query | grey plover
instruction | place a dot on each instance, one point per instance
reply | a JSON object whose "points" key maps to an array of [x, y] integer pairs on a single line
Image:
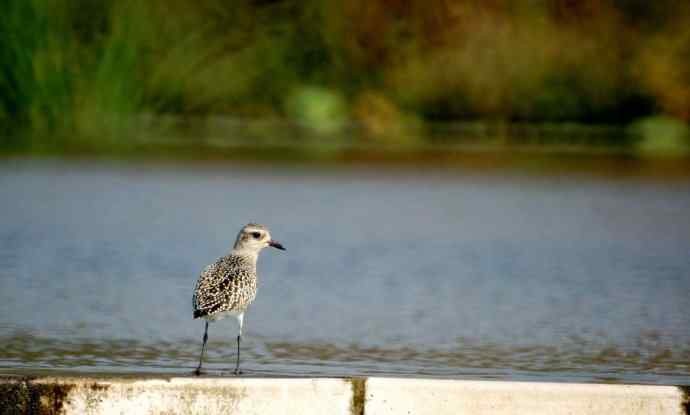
{"points": [[227, 287]]}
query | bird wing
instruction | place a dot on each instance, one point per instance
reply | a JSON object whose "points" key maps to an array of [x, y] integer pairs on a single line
{"points": [[213, 291]]}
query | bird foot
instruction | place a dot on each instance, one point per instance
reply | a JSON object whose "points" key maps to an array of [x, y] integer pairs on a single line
{"points": [[237, 372], [198, 371]]}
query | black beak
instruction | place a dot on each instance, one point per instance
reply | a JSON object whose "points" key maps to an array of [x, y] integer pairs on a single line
{"points": [[276, 245]]}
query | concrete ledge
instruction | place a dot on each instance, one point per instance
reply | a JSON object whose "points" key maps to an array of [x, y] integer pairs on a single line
{"points": [[371, 396], [403, 396], [176, 396]]}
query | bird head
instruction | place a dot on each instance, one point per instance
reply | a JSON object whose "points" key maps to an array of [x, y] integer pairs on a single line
{"points": [[253, 238]]}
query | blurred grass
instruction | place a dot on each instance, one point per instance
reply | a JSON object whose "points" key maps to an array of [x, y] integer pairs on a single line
{"points": [[78, 75]]}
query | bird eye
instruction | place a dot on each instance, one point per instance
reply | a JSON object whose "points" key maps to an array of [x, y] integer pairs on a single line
{"points": [[256, 235]]}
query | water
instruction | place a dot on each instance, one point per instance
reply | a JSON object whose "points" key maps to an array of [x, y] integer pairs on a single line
{"points": [[441, 274]]}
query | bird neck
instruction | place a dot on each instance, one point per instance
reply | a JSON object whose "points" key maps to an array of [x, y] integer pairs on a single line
{"points": [[252, 255]]}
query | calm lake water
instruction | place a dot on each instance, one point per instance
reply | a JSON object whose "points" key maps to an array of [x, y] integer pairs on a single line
{"points": [[395, 272]]}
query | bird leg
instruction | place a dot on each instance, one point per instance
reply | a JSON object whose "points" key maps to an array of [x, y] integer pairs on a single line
{"points": [[237, 366], [203, 349], [240, 320]]}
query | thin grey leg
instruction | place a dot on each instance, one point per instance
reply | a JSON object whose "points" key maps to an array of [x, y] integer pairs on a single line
{"points": [[240, 320], [237, 366], [203, 350]]}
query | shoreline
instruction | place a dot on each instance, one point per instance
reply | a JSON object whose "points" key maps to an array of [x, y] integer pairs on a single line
{"points": [[495, 161]]}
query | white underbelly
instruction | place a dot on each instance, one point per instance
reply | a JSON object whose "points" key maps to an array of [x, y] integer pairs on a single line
{"points": [[223, 314]]}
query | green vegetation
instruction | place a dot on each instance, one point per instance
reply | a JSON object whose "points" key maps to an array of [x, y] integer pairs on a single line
{"points": [[78, 74]]}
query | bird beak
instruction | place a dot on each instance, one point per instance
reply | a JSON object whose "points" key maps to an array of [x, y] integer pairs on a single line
{"points": [[276, 245]]}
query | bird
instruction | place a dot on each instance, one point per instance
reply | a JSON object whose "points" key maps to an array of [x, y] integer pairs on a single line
{"points": [[227, 287]]}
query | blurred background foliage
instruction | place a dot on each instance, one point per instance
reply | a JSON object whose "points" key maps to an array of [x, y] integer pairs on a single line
{"points": [[93, 74]]}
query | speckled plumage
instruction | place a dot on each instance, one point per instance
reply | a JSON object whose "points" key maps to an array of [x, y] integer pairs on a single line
{"points": [[229, 284]]}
